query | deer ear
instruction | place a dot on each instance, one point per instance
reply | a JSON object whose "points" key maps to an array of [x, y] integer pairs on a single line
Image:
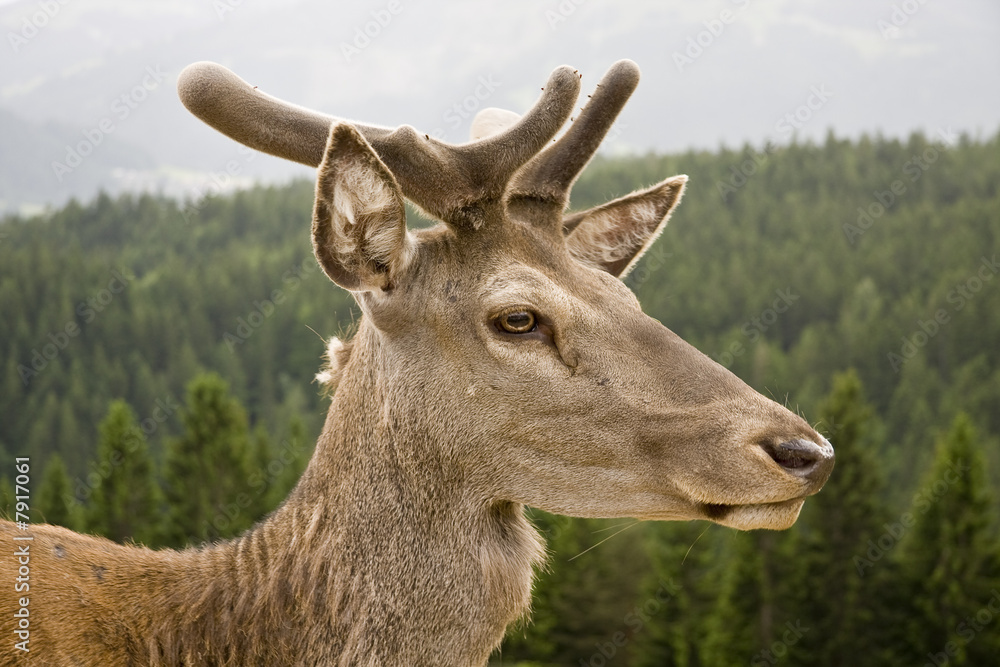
{"points": [[359, 220], [613, 236]]}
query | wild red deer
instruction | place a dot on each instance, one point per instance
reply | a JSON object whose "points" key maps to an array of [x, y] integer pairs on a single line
{"points": [[500, 362]]}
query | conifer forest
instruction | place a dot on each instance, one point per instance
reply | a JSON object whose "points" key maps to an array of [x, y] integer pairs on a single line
{"points": [[158, 361]]}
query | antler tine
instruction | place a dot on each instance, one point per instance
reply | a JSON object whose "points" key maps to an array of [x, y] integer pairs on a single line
{"points": [[441, 178], [447, 180], [503, 153], [551, 174], [255, 119]]}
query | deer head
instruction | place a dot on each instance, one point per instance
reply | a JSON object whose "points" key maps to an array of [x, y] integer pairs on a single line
{"points": [[506, 332]]}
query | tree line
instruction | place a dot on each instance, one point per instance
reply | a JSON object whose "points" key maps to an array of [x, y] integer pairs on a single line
{"points": [[854, 582], [214, 482], [158, 359]]}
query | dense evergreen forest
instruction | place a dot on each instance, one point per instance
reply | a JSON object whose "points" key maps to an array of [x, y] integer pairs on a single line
{"points": [[151, 347]]}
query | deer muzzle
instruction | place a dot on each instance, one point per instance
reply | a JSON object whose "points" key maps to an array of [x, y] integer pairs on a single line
{"points": [[804, 458]]}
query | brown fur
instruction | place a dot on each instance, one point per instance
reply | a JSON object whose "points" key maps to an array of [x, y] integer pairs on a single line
{"points": [[405, 541]]}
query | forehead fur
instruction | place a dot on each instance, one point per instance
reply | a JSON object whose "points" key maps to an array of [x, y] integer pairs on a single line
{"points": [[443, 252]]}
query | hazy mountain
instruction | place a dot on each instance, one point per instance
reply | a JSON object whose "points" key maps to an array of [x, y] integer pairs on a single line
{"points": [[713, 72], [24, 182]]}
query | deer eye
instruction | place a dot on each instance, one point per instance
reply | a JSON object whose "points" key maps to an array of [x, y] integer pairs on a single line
{"points": [[517, 322]]}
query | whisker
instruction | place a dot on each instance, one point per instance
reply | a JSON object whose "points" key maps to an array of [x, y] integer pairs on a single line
{"points": [[315, 332], [694, 543], [601, 530], [607, 538]]}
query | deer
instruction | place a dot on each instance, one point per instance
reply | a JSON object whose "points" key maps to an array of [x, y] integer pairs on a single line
{"points": [[500, 362]]}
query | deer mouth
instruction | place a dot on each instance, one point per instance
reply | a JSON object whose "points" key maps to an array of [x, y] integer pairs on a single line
{"points": [[774, 515]]}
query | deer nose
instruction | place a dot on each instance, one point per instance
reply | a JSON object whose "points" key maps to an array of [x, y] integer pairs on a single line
{"points": [[803, 458]]}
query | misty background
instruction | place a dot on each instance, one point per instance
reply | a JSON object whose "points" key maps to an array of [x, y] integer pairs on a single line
{"points": [[151, 346], [88, 100]]}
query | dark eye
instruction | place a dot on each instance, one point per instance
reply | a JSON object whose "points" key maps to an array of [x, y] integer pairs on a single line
{"points": [[517, 322]]}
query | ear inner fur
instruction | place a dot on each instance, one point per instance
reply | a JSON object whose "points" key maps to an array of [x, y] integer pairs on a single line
{"points": [[359, 222], [613, 236]]}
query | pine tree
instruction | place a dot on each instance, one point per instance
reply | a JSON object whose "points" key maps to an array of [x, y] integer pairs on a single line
{"points": [[837, 578], [530, 638], [584, 600], [207, 470], [260, 480], [55, 504], [125, 502], [290, 459], [66, 436], [43, 432], [684, 584], [950, 560], [6, 497], [736, 629]]}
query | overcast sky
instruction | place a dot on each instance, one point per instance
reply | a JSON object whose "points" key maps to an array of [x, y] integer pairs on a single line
{"points": [[714, 72]]}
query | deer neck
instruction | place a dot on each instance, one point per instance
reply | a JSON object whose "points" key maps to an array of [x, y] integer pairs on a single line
{"points": [[395, 543]]}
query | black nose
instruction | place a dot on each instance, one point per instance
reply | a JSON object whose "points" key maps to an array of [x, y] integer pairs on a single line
{"points": [[803, 458]]}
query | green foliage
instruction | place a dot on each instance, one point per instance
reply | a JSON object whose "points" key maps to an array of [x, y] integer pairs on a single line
{"points": [[139, 295], [788, 277], [207, 469], [684, 579], [125, 499], [736, 629], [6, 498], [594, 566], [950, 561], [852, 582], [285, 464], [55, 503], [834, 588]]}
